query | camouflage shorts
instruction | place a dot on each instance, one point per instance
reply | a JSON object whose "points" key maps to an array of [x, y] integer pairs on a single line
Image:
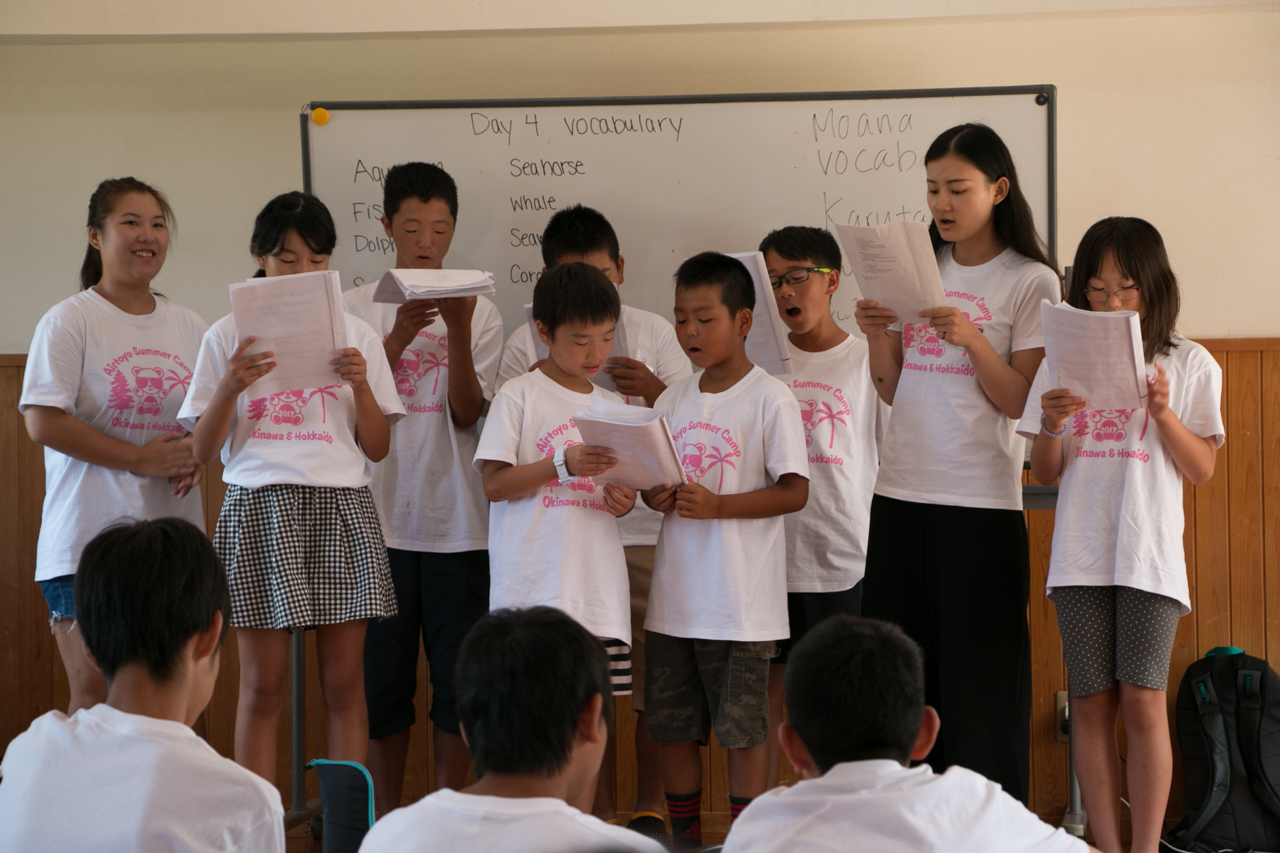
{"points": [[692, 684]]}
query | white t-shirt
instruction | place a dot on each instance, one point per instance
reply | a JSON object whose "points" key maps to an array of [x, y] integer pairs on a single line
{"points": [[429, 497], [107, 780], [726, 579], [451, 820], [557, 546], [1119, 516], [304, 437], [843, 421], [653, 339], [948, 443], [882, 806], [125, 375]]}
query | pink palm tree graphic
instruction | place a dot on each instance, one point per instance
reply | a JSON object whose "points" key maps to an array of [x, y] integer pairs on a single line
{"points": [[716, 457], [322, 393], [177, 380], [432, 364], [824, 413]]}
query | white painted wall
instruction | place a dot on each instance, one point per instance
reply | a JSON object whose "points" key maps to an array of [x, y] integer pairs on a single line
{"points": [[1173, 116]]}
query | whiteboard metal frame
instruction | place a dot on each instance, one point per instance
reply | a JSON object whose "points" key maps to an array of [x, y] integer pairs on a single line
{"points": [[1046, 96]]}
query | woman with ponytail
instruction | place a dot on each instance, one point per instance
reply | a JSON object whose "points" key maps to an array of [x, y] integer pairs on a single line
{"points": [[947, 545], [107, 372]]}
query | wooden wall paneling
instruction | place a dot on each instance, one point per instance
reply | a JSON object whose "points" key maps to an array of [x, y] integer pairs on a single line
{"points": [[1049, 758], [1270, 371], [11, 568], [38, 649], [1244, 493], [625, 767], [1212, 604], [1184, 649]]}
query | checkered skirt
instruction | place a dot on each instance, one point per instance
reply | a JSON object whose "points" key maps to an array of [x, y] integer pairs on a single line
{"points": [[301, 556]]}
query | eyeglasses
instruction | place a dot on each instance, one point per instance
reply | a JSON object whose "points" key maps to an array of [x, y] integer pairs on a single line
{"points": [[1124, 294], [796, 277]]}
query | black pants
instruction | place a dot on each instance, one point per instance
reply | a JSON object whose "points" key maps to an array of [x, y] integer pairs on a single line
{"points": [[956, 580]]}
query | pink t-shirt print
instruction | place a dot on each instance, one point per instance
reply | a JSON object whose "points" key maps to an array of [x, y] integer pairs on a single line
{"points": [[582, 484], [706, 452], [290, 409], [426, 358], [1109, 425], [821, 416], [142, 387], [920, 337]]}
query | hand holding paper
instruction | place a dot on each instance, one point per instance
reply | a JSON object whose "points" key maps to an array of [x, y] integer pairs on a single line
{"points": [[895, 265], [640, 441], [767, 341], [298, 318], [1096, 354], [399, 286]]}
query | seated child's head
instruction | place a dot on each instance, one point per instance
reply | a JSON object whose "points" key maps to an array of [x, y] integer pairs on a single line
{"points": [[855, 691], [804, 271], [1121, 265], [153, 596], [580, 233], [714, 300], [576, 310], [419, 210], [534, 695]]}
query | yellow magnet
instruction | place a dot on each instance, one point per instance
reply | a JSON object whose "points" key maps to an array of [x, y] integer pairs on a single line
{"points": [[320, 115]]}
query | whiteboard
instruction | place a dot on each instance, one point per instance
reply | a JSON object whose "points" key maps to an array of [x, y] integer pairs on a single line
{"points": [[675, 176]]}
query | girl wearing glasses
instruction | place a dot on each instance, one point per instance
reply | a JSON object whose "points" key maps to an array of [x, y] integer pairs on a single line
{"points": [[1117, 576], [947, 551]]}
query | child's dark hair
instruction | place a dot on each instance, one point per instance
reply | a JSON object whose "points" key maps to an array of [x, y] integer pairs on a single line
{"points": [[726, 274], [578, 231], [1140, 254], [423, 181], [101, 205], [982, 148], [804, 243], [855, 690], [144, 589], [574, 293], [295, 211], [523, 678]]}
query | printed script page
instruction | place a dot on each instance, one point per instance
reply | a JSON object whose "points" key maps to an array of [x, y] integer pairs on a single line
{"points": [[895, 265], [1098, 355]]}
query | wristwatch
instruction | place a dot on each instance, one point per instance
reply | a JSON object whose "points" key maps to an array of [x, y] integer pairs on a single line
{"points": [[562, 470]]}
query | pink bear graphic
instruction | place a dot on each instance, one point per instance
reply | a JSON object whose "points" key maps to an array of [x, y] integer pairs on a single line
{"points": [[691, 458], [808, 408], [148, 390], [921, 336], [409, 369], [699, 460], [1109, 424], [284, 407]]}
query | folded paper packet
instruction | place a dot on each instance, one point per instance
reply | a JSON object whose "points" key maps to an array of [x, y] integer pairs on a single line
{"points": [[640, 440], [399, 286]]}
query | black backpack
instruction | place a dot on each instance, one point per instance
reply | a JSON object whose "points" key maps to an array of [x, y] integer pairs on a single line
{"points": [[1228, 711]]}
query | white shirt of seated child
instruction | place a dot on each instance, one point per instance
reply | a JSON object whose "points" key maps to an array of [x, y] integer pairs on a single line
{"points": [[889, 808], [104, 779], [450, 820]]}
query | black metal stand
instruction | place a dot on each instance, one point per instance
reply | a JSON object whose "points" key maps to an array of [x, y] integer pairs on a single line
{"points": [[301, 810]]}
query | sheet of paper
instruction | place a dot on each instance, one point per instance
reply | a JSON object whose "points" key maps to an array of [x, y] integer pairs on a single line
{"points": [[621, 349], [895, 265], [399, 286], [300, 319], [639, 437], [767, 341], [1097, 354]]}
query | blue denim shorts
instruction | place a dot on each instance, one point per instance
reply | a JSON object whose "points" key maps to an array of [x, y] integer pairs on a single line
{"points": [[60, 595]]}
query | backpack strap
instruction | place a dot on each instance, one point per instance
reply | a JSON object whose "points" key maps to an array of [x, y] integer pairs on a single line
{"points": [[1249, 700], [1215, 734]]}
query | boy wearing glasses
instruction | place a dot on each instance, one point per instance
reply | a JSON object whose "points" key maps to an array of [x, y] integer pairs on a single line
{"points": [[843, 421]]}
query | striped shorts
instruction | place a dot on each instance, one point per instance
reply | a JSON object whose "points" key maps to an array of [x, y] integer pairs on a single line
{"points": [[619, 665]]}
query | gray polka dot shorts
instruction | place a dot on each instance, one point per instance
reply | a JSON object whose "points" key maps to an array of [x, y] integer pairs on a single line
{"points": [[1115, 633]]}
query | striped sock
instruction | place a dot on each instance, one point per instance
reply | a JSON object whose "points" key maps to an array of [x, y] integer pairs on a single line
{"points": [[685, 811], [736, 805]]}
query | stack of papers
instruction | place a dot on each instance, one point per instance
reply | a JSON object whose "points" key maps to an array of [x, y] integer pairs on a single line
{"points": [[1097, 354], [640, 439], [621, 349], [397, 287], [767, 341], [895, 265], [300, 319]]}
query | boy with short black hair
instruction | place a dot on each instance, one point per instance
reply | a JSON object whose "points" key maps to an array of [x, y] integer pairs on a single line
{"points": [[430, 500], [152, 606], [856, 720], [535, 701], [553, 531], [580, 233], [843, 420], [718, 602]]}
